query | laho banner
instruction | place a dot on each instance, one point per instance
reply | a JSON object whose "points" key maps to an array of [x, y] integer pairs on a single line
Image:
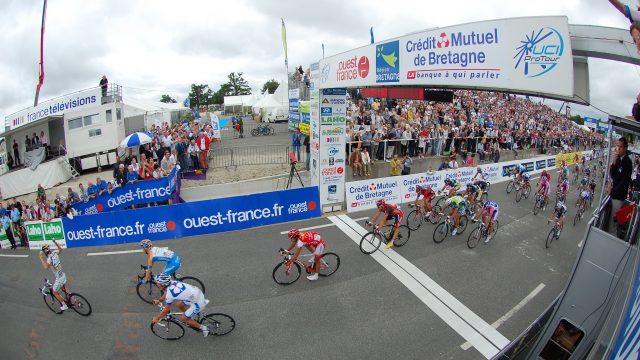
{"points": [[194, 218], [529, 54], [141, 192]]}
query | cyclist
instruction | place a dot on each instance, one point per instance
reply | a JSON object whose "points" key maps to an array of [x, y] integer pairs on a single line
{"points": [[564, 171], [518, 171], [584, 182], [427, 195], [452, 186], [313, 241], [558, 213], [482, 180], [457, 204], [480, 175], [587, 172], [161, 254], [563, 187], [51, 260], [390, 211], [546, 175], [543, 188], [576, 172], [526, 177], [592, 187], [188, 298], [489, 214], [584, 198], [473, 194]]}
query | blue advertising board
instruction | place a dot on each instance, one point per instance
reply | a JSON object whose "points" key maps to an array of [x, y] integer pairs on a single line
{"points": [[194, 218], [140, 192]]}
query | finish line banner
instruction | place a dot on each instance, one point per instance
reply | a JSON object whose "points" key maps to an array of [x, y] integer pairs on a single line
{"points": [[141, 192], [194, 218]]}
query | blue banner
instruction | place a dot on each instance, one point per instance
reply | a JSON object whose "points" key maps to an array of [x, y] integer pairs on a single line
{"points": [[195, 218], [140, 192]]}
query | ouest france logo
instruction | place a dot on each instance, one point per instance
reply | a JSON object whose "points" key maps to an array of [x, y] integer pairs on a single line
{"points": [[540, 52]]}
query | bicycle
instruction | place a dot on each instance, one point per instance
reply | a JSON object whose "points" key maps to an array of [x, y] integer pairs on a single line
{"points": [[74, 301], [148, 291], [172, 328], [481, 231], [419, 214], [539, 204], [523, 191], [554, 234], [262, 129], [512, 184], [288, 272], [444, 228], [579, 214], [560, 196], [371, 241]]}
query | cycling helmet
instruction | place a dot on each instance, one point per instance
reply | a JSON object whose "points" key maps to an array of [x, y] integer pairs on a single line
{"points": [[293, 232], [419, 188], [583, 181], [380, 203], [45, 248], [559, 204], [145, 244], [163, 279], [526, 176], [447, 181]]}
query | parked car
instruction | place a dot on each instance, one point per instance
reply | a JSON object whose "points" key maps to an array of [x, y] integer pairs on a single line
{"points": [[277, 115]]}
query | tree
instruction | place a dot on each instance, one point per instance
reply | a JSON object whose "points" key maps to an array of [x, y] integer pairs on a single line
{"points": [[236, 85], [577, 119], [200, 95], [167, 99], [270, 86]]}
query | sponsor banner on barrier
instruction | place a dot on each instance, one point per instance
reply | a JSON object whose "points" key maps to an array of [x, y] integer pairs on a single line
{"points": [[39, 233], [194, 218], [141, 192], [332, 154], [362, 195], [569, 158], [4, 242]]}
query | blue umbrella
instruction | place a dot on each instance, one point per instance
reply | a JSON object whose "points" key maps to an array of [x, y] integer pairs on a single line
{"points": [[136, 139]]}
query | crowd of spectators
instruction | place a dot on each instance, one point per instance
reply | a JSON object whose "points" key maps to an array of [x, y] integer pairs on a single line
{"points": [[476, 122]]}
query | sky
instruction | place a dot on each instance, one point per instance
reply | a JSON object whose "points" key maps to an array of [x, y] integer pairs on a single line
{"points": [[162, 47]]}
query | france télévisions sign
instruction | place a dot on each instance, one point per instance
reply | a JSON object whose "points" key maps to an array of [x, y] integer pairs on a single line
{"points": [[531, 54], [57, 106]]}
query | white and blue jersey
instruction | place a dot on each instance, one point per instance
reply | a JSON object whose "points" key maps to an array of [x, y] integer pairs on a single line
{"points": [[521, 169], [190, 296], [167, 256]]}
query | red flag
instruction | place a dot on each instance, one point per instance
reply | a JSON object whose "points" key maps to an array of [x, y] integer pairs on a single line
{"points": [[41, 71]]}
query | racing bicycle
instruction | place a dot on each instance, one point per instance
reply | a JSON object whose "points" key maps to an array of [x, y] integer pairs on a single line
{"points": [[172, 328], [514, 183], [539, 204], [481, 231], [554, 234], [523, 191], [148, 291], [287, 272], [74, 301], [371, 241], [446, 227], [579, 213], [262, 129], [419, 215]]}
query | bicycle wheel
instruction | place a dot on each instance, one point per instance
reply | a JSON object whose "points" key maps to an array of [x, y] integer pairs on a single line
{"points": [[527, 192], [550, 237], [329, 263], [537, 206], [285, 276], [168, 329], [148, 291], [474, 238], [79, 304], [510, 186], [435, 215], [271, 131], [576, 218], [370, 242], [404, 233], [463, 224], [192, 281], [219, 324], [519, 194], [440, 201], [414, 219], [440, 233], [254, 132], [52, 303]]}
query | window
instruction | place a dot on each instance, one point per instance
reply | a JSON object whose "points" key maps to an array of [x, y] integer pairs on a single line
{"points": [[563, 342], [109, 116], [91, 119], [75, 123], [118, 114], [95, 132]]}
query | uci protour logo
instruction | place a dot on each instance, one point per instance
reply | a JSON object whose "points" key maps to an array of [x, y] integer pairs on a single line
{"points": [[540, 52]]}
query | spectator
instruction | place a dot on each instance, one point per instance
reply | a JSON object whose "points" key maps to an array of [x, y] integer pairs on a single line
{"points": [[166, 164], [110, 189], [27, 143], [193, 152], [203, 144], [470, 160], [16, 153], [43, 140], [48, 212], [355, 160], [620, 173], [6, 225], [104, 84], [92, 190], [157, 172], [130, 157], [132, 175], [3, 210], [295, 143], [135, 165], [72, 196], [84, 194], [41, 194], [396, 166], [17, 225], [307, 149], [453, 163], [636, 109], [116, 166], [101, 185], [366, 162], [406, 165], [121, 175]]}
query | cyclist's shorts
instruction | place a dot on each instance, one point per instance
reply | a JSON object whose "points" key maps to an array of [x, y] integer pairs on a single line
{"points": [[461, 207], [397, 218], [493, 213], [546, 187], [60, 281], [172, 266], [558, 215], [196, 307], [319, 251]]}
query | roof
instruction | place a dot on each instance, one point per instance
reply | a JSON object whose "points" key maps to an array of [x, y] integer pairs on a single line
{"points": [[153, 106], [242, 100], [267, 102]]}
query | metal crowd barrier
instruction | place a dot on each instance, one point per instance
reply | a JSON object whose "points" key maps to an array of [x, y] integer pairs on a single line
{"points": [[249, 155]]}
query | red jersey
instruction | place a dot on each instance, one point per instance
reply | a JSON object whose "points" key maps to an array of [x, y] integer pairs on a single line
{"points": [[428, 193], [391, 210], [310, 238]]}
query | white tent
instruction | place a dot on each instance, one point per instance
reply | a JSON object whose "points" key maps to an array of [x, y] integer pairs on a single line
{"points": [[281, 95], [265, 103]]}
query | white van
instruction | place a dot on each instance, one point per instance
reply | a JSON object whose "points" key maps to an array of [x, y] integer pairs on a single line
{"points": [[277, 114]]}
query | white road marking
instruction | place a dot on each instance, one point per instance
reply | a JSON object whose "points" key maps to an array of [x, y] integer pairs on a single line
{"points": [[113, 252], [471, 327], [322, 226], [14, 255], [511, 312]]}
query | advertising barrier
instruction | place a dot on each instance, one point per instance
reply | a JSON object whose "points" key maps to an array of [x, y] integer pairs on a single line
{"points": [[194, 218], [40, 232], [141, 192], [362, 195]]}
